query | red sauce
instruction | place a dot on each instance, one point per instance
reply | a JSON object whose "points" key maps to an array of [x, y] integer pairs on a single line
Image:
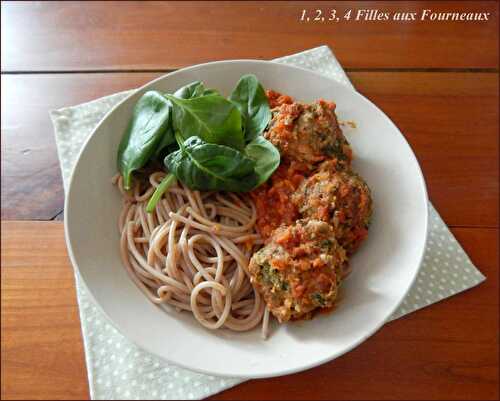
{"points": [[277, 99], [330, 105], [272, 199]]}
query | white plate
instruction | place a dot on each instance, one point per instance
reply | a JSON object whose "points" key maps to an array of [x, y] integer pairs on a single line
{"points": [[383, 269]]}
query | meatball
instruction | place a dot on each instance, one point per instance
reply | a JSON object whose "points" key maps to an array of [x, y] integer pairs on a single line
{"points": [[340, 198], [308, 133], [299, 270]]}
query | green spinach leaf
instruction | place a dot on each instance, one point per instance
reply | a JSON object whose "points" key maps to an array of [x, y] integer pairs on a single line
{"points": [[193, 89], [211, 118], [208, 166], [149, 122], [210, 91], [166, 140], [166, 183], [250, 98], [266, 157]]}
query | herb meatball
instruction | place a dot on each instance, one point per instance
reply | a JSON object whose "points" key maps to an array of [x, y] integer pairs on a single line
{"points": [[308, 133], [340, 198], [299, 270]]}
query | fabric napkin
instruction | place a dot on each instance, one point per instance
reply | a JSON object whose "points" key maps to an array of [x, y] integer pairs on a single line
{"points": [[117, 369]]}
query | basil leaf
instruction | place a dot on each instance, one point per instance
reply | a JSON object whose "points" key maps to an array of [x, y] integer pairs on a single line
{"points": [[266, 157], [211, 118], [209, 91], [193, 89], [250, 98], [166, 140], [210, 167], [150, 119]]}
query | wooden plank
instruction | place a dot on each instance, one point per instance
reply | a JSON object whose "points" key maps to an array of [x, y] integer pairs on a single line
{"points": [[450, 120], [31, 178], [48, 36], [446, 351], [42, 350]]}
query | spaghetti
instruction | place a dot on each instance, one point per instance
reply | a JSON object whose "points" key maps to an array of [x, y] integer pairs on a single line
{"points": [[192, 252]]}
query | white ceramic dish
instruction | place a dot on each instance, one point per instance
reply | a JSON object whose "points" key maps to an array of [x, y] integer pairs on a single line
{"points": [[383, 269]]}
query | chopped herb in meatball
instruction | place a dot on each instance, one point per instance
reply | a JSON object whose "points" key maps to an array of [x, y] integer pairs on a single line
{"points": [[308, 133], [299, 270], [340, 198]]}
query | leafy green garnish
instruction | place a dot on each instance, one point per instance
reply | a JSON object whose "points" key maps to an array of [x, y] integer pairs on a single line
{"points": [[266, 157], [149, 122], [189, 91], [212, 118], [208, 166], [250, 98], [217, 145], [194, 89], [167, 181]]}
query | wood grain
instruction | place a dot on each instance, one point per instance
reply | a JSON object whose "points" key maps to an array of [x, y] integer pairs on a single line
{"points": [[437, 81], [446, 351], [48, 36], [450, 120], [31, 178], [42, 351]]}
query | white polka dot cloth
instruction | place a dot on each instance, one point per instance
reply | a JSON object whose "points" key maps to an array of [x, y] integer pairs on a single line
{"points": [[117, 369]]}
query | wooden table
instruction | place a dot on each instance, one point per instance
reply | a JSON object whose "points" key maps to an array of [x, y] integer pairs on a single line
{"points": [[437, 81]]}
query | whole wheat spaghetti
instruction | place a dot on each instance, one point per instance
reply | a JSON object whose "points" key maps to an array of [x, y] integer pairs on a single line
{"points": [[192, 252]]}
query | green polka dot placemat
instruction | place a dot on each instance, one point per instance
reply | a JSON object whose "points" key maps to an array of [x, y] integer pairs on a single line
{"points": [[117, 369]]}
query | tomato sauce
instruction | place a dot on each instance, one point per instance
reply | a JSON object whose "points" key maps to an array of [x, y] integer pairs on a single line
{"points": [[276, 99], [272, 199]]}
